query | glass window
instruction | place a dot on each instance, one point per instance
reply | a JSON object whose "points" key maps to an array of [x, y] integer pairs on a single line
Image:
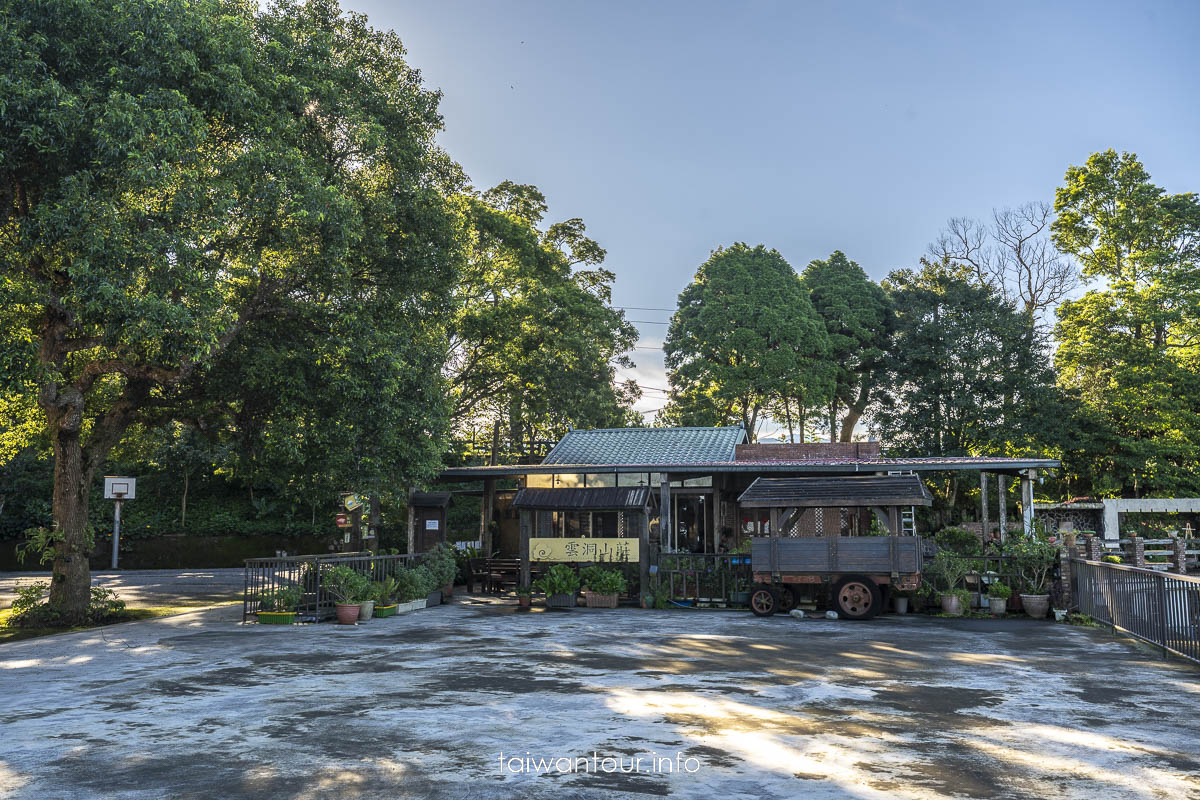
{"points": [[601, 479], [632, 479], [539, 481], [569, 481], [706, 481]]}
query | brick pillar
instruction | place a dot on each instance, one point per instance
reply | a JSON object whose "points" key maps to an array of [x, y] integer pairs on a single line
{"points": [[1179, 556], [1064, 572], [1091, 548], [1137, 551]]}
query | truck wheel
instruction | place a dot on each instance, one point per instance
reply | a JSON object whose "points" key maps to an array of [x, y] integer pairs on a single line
{"points": [[787, 599], [857, 597], [763, 601]]}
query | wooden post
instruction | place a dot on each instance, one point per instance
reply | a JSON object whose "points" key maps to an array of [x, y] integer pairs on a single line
{"points": [[1027, 503], [526, 526], [664, 513], [1002, 480], [412, 539], [983, 504], [643, 523], [894, 520]]}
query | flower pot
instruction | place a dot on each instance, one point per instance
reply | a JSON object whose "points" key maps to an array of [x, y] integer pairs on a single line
{"points": [[366, 609], [448, 590], [1060, 614], [524, 600], [997, 605], [901, 605], [597, 600], [741, 598], [951, 606], [1036, 605], [560, 600], [276, 617], [434, 599], [1014, 604], [347, 613], [386, 611]]}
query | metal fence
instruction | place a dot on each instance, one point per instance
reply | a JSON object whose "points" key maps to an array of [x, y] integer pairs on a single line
{"points": [[706, 579], [268, 574], [1157, 607]]}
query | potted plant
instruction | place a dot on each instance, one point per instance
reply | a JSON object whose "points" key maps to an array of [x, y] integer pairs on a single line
{"points": [[1035, 562], [998, 594], [412, 589], [602, 586], [524, 596], [428, 581], [560, 584], [346, 587], [955, 602], [278, 606], [385, 603], [444, 568]]}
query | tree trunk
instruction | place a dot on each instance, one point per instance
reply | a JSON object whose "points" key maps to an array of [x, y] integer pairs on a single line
{"points": [[855, 409], [70, 586], [833, 421], [787, 412], [183, 505]]}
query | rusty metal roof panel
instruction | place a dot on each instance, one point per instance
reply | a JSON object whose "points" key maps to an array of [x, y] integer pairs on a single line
{"points": [[836, 492]]}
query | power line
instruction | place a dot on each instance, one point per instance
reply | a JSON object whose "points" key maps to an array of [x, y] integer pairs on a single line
{"points": [[642, 308]]}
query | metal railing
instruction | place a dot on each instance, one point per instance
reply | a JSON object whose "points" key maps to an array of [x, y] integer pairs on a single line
{"points": [[706, 579], [268, 574], [1160, 608]]}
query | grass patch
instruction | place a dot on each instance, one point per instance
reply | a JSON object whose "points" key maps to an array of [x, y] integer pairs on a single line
{"points": [[8, 634]]}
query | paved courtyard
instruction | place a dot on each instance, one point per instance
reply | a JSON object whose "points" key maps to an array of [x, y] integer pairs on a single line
{"points": [[147, 587], [422, 706]]}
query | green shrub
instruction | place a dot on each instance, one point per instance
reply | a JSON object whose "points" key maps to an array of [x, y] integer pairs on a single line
{"points": [[1110, 559], [104, 606], [559, 579], [1000, 591], [441, 564], [285, 598], [1034, 562], [947, 570], [603, 581], [345, 585], [958, 540]]}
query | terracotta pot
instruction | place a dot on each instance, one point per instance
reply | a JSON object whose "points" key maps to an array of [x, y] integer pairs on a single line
{"points": [[448, 590], [951, 605], [366, 610], [1036, 605], [523, 600], [347, 613], [997, 605]]}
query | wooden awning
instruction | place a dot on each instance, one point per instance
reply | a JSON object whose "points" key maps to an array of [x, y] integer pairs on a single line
{"points": [[604, 498], [849, 491]]}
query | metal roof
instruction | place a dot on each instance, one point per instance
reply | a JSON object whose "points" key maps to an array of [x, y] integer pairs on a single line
{"points": [[836, 492], [429, 499], [607, 498], [811, 466], [646, 445]]}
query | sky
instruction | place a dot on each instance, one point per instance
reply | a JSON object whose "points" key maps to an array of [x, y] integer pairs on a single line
{"points": [[673, 128]]}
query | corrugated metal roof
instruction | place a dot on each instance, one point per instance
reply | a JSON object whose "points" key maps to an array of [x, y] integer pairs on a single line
{"points": [[646, 445], [858, 490], [430, 499], [607, 498]]}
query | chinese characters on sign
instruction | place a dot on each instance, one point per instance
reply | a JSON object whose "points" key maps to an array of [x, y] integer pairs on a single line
{"points": [[623, 551]]}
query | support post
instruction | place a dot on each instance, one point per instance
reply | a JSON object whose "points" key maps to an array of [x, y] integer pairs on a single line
{"points": [[116, 548], [526, 526], [1027, 504], [412, 538], [983, 505], [1002, 480], [643, 523], [665, 528], [1179, 555], [893, 520]]}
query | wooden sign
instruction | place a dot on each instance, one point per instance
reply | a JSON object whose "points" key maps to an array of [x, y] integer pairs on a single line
{"points": [[342, 520], [620, 551]]}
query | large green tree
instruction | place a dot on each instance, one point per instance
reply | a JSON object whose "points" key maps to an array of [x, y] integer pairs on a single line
{"points": [[187, 185], [858, 318], [534, 342], [1130, 347], [744, 336]]}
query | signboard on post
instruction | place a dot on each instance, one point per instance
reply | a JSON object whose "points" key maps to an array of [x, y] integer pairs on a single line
{"points": [[618, 551], [119, 489], [342, 520], [352, 502], [431, 524]]}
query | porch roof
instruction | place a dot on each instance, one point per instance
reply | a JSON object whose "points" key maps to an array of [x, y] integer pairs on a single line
{"points": [[835, 492], [605, 498]]}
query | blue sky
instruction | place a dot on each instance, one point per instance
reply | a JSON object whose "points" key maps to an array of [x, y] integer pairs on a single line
{"points": [[675, 127]]}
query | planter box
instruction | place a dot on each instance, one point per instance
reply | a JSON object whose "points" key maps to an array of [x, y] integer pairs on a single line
{"points": [[276, 617], [411, 606], [560, 600], [597, 600], [385, 611], [434, 599]]}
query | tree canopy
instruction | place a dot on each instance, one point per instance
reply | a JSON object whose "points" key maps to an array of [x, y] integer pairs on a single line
{"points": [[744, 335]]}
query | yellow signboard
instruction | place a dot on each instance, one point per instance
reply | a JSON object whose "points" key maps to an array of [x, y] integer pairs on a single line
{"points": [[623, 551]]}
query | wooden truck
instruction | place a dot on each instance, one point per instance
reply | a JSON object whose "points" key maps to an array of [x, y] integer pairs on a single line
{"points": [[799, 560]]}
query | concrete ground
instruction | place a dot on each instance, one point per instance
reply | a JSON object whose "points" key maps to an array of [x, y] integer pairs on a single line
{"points": [[423, 706], [148, 587]]}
